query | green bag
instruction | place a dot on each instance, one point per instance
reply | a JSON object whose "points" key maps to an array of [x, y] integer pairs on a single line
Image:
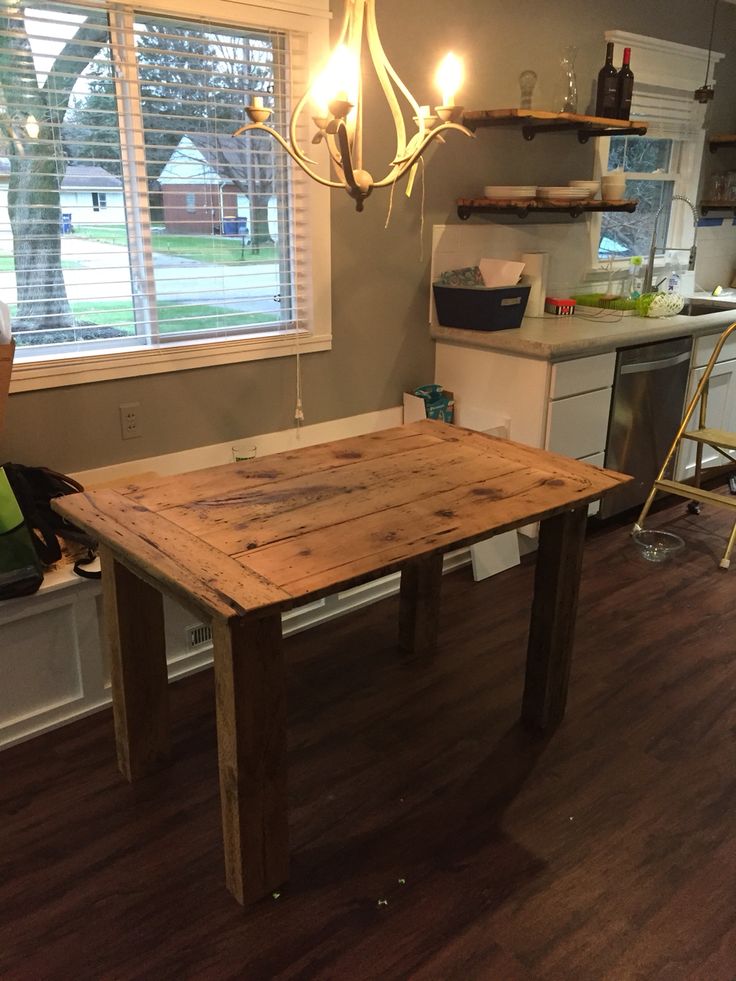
{"points": [[20, 569]]}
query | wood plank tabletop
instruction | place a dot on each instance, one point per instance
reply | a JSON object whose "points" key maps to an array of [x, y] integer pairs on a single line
{"points": [[267, 533]]}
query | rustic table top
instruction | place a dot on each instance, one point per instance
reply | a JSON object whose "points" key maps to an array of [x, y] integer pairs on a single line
{"points": [[268, 533]]}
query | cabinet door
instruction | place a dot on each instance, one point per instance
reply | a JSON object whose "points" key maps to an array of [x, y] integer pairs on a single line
{"points": [[578, 426], [705, 345], [721, 415]]}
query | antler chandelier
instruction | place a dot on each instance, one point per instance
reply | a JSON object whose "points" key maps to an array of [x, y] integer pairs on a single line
{"points": [[337, 94]]}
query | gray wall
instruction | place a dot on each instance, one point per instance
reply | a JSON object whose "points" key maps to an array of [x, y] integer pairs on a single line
{"points": [[380, 280]]}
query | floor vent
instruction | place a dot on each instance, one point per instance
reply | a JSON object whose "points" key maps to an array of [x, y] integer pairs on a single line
{"points": [[198, 636]]}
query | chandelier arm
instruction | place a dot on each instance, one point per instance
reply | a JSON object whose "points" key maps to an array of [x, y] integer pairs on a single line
{"points": [[382, 68], [346, 163], [404, 165], [299, 159], [355, 43]]}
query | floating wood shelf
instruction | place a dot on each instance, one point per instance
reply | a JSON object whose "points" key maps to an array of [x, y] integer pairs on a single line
{"points": [[533, 121], [720, 141], [523, 207], [706, 206]]}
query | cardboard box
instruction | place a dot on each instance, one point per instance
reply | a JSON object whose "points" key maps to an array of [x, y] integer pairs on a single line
{"points": [[6, 365]]}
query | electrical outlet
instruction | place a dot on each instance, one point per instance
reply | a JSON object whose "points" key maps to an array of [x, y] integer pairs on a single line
{"points": [[129, 420]]}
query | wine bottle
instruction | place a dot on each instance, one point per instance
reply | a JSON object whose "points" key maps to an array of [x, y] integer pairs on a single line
{"points": [[625, 87], [606, 99]]}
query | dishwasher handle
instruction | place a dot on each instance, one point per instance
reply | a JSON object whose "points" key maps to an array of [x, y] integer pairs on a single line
{"points": [[640, 366]]}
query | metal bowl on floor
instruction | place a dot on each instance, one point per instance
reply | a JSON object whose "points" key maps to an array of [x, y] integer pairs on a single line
{"points": [[655, 545]]}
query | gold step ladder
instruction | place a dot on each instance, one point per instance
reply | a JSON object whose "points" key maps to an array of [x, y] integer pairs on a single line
{"points": [[718, 439]]}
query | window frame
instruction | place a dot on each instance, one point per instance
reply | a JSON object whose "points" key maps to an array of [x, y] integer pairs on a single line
{"points": [[684, 172], [310, 18]]}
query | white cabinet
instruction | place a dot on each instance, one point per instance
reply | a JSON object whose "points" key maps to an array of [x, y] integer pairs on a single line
{"points": [[721, 413], [562, 407], [577, 426], [579, 406]]}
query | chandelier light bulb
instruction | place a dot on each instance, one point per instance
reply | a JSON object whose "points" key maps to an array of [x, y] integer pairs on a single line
{"points": [[339, 81], [449, 78]]}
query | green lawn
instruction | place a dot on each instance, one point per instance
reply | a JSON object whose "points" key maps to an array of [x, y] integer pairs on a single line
{"points": [[172, 317], [202, 248], [199, 316], [7, 263]]}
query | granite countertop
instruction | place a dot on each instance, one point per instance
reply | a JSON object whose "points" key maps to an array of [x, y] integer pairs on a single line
{"points": [[552, 338]]}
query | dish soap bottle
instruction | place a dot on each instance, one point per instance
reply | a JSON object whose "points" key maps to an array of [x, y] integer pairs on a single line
{"points": [[636, 276]]}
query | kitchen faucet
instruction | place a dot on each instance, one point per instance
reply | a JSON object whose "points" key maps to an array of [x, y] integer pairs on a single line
{"points": [[649, 274]]}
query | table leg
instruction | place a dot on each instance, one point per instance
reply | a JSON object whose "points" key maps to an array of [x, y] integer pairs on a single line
{"points": [[419, 611], [134, 623], [551, 633], [250, 686]]}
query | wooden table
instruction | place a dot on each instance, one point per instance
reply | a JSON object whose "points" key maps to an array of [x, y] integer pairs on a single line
{"points": [[241, 543]]}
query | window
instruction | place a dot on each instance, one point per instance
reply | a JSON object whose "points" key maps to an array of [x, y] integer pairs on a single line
{"points": [[663, 163], [144, 105], [652, 172]]}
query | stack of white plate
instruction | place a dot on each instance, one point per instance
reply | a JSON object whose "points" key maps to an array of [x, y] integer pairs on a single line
{"points": [[563, 193], [592, 187], [516, 192]]}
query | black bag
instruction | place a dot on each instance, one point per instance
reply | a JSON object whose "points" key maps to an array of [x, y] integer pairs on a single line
{"points": [[34, 489]]}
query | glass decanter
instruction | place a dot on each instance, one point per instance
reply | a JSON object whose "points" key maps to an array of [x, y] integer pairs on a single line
{"points": [[567, 100]]}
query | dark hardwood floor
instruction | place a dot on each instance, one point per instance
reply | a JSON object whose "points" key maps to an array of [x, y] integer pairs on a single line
{"points": [[432, 837]]}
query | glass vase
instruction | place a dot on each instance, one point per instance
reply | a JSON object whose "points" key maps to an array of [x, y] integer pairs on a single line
{"points": [[567, 98]]}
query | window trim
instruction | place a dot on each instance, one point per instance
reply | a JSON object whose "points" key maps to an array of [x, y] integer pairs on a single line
{"points": [[311, 19], [668, 65]]}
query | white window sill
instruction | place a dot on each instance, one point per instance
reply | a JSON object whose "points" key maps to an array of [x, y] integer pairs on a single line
{"points": [[61, 371]]}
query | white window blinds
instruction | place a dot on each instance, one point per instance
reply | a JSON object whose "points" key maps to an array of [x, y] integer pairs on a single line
{"points": [[131, 217]]}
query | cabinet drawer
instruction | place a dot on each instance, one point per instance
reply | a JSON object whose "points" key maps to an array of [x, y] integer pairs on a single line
{"points": [[577, 426], [704, 347], [582, 375]]}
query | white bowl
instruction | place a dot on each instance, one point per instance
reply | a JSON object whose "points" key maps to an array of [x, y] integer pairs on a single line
{"points": [[510, 191]]}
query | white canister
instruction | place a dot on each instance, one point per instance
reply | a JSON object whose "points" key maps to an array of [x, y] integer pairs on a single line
{"points": [[613, 186]]}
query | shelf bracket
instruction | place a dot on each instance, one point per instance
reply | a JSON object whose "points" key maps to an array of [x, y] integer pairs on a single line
{"points": [[588, 131], [530, 130]]}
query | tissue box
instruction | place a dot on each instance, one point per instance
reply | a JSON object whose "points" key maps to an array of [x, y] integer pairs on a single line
{"points": [[6, 364], [481, 307], [416, 408]]}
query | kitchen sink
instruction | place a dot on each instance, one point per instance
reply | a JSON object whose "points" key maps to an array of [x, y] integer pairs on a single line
{"points": [[696, 308]]}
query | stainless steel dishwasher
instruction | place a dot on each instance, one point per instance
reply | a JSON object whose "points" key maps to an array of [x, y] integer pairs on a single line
{"points": [[647, 405]]}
